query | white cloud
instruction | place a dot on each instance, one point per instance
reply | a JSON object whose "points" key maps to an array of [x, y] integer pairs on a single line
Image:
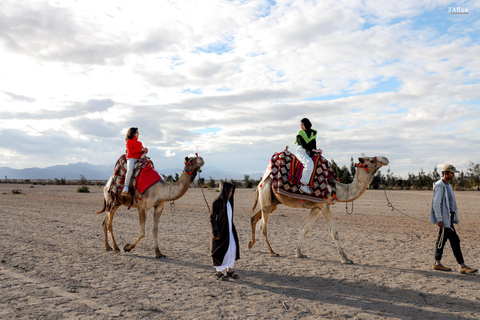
{"points": [[398, 79]]}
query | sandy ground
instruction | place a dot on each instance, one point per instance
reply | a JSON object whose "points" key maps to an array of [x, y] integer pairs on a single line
{"points": [[54, 264]]}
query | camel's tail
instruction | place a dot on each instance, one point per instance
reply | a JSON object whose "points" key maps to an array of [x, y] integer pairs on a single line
{"points": [[256, 199], [104, 207]]}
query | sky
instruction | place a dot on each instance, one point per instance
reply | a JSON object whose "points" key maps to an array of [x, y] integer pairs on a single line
{"points": [[231, 80]]}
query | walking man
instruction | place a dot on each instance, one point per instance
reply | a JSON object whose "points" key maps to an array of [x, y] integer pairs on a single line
{"points": [[444, 214]]}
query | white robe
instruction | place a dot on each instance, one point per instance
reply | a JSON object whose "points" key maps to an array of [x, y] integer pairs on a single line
{"points": [[229, 259]]}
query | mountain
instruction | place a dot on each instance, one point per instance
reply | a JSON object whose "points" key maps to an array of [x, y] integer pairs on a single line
{"points": [[103, 172], [69, 172]]}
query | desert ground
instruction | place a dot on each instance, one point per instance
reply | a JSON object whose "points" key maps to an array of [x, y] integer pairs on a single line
{"points": [[54, 264]]}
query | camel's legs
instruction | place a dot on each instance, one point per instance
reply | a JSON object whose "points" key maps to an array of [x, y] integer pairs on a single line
{"points": [[253, 222], [156, 217], [108, 227], [333, 232], [142, 217], [311, 217], [105, 233], [263, 229]]}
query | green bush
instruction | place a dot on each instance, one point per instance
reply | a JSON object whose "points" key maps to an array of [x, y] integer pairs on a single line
{"points": [[83, 189]]}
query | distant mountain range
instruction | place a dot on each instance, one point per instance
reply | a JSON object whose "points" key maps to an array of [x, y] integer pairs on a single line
{"points": [[103, 172]]}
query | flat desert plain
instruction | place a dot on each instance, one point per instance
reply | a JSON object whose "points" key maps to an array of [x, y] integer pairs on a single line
{"points": [[54, 264]]}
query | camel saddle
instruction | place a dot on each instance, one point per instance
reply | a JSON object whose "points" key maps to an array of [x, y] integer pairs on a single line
{"points": [[285, 170], [143, 177]]}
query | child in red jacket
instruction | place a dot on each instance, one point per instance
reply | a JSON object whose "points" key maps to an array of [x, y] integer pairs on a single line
{"points": [[135, 150]]}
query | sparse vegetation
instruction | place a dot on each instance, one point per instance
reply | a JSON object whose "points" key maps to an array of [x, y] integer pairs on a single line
{"points": [[212, 183], [201, 182], [83, 189]]}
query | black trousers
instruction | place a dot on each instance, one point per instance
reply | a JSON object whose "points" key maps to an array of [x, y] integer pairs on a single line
{"points": [[451, 235]]}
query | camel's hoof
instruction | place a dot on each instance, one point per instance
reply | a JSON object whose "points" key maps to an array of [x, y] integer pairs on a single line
{"points": [[301, 255], [273, 254], [348, 261], [108, 249], [160, 256], [250, 244], [127, 248], [117, 249]]}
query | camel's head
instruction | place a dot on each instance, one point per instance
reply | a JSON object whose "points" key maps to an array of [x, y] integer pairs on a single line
{"points": [[372, 164], [193, 164]]}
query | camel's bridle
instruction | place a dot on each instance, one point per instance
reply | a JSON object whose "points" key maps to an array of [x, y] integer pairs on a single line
{"points": [[192, 163], [362, 165]]}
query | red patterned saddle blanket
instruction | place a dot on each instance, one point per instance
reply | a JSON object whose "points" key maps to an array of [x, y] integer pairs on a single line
{"points": [[286, 170], [143, 177]]}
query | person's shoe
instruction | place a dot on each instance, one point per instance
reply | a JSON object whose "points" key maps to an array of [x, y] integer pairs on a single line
{"points": [[232, 275], [306, 189], [467, 270], [221, 277], [441, 267], [125, 192]]}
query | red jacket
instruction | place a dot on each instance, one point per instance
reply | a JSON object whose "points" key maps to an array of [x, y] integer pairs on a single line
{"points": [[134, 148]]}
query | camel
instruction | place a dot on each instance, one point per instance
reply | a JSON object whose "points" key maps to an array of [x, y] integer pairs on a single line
{"points": [[269, 201], [154, 197]]}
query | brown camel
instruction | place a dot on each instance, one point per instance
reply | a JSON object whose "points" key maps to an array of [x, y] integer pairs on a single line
{"points": [[269, 201], [154, 197]]}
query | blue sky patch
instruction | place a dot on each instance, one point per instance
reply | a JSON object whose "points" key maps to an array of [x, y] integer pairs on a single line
{"points": [[383, 85], [206, 130], [192, 91], [218, 47]]}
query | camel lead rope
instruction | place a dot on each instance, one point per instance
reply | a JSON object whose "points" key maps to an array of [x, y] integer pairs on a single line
{"points": [[204, 198], [346, 203], [389, 204], [172, 202], [440, 240]]}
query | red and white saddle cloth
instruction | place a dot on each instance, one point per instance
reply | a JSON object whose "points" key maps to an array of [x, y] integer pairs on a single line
{"points": [[286, 170], [143, 177]]}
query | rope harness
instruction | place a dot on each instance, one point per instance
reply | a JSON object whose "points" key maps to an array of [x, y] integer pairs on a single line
{"points": [[172, 202], [346, 202], [204, 198], [365, 166], [188, 173]]}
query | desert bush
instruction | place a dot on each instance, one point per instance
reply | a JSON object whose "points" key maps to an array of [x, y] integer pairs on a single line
{"points": [[83, 189]]}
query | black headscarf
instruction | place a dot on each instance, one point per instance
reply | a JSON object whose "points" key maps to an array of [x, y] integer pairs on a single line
{"points": [[308, 126]]}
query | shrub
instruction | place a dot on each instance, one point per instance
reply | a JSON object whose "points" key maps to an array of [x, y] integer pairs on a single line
{"points": [[83, 189]]}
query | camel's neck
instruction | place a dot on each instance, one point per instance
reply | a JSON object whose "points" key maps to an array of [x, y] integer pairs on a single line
{"points": [[179, 188], [352, 191]]}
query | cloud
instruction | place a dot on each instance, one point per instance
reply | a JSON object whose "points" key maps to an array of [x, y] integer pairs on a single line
{"points": [[69, 110], [398, 79], [19, 97]]}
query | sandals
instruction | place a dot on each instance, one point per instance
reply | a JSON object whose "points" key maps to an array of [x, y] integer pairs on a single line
{"points": [[232, 275], [221, 276]]}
